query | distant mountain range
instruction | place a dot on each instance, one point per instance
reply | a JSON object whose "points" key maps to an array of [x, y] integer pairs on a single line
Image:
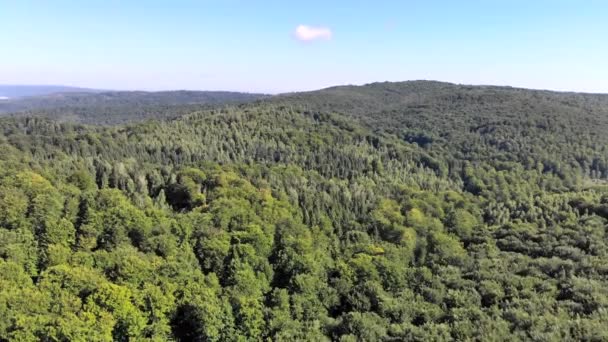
{"points": [[110, 107], [17, 91]]}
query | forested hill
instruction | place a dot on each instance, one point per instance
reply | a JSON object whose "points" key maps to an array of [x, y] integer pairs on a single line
{"points": [[381, 104], [380, 95], [558, 129], [118, 107], [416, 211]]}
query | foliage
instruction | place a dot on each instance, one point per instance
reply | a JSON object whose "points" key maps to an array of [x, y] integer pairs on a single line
{"points": [[411, 211]]}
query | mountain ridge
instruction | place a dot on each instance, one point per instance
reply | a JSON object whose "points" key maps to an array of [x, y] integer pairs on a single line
{"points": [[367, 101]]}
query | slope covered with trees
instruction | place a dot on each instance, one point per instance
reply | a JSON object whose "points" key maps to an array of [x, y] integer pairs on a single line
{"points": [[407, 211]]}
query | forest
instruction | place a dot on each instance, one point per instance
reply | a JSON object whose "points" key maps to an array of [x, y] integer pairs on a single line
{"points": [[411, 211]]}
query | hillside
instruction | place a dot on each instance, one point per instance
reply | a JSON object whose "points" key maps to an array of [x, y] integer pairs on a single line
{"points": [[478, 122], [393, 211]]}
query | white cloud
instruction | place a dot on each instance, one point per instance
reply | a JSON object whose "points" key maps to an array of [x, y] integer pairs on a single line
{"points": [[307, 33]]}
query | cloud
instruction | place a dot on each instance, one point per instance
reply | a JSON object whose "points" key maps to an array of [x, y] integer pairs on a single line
{"points": [[307, 33]]}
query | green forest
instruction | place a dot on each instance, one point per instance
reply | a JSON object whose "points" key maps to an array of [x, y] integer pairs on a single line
{"points": [[413, 211]]}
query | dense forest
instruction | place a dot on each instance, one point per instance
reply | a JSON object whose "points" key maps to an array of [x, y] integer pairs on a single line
{"points": [[415, 211]]}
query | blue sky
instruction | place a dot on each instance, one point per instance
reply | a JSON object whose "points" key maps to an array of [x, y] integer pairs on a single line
{"points": [[277, 46]]}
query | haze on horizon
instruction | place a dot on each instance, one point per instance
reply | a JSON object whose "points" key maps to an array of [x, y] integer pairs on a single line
{"points": [[273, 46]]}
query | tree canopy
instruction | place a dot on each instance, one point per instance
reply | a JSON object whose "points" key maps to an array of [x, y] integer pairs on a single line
{"points": [[409, 211]]}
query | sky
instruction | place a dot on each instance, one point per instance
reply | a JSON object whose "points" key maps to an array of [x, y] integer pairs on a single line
{"points": [[282, 46]]}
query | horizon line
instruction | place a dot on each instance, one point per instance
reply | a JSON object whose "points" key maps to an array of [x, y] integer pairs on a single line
{"points": [[107, 90]]}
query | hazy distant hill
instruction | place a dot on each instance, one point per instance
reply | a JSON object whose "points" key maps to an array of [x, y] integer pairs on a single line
{"points": [[15, 91], [119, 106]]}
